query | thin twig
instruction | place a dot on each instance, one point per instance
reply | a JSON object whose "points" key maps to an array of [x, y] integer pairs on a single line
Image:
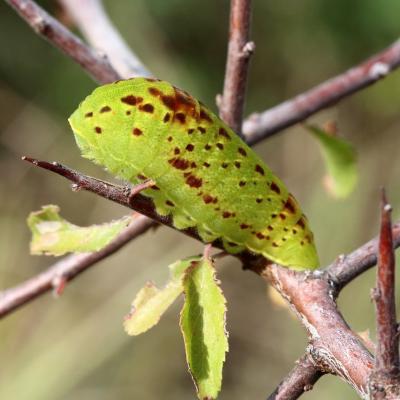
{"points": [[299, 380], [94, 23], [260, 126], [67, 269], [237, 65], [43, 24], [385, 379]]}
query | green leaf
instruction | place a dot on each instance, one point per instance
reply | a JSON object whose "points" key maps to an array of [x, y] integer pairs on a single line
{"points": [[148, 129], [203, 327], [340, 159], [53, 235], [151, 303]]}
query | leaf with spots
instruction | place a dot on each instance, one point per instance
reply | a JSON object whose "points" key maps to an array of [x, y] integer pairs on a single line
{"points": [[203, 328], [340, 159], [206, 177], [53, 235], [151, 303]]}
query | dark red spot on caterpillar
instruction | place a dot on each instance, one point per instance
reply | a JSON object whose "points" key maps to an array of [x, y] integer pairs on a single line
{"points": [[294, 231], [259, 201], [169, 138], [274, 215], [176, 150], [290, 205], [207, 146], [201, 129], [154, 91], [224, 133], [141, 176], [97, 129], [227, 214], [147, 108], [242, 183], [237, 164], [179, 163], [260, 235], [220, 146], [131, 100], [193, 181], [209, 199], [169, 203], [105, 109], [190, 147], [224, 165], [282, 216], [128, 112], [169, 102], [206, 164], [274, 244], [259, 169], [193, 164], [167, 117], [155, 187], [89, 114], [270, 228], [137, 131], [244, 226], [204, 115], [275, 188], [180, 117], [301, 222], [190, 131], [242, 151]]}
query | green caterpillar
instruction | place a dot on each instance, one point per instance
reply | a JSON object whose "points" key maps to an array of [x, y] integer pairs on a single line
{"points": [[206, 176]]}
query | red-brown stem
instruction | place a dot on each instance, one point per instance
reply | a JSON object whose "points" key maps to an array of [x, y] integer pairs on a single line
{"points": [[299, 380], [387, 349], [385, 378], [312, 300], [237, 65], [97, 28], [43, 24], [259, 126], [67, 269]]}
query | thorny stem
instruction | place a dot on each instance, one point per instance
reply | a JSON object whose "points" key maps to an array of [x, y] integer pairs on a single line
{"points": [[237, 65], [97, 28], [385, 379], [49, 28]]}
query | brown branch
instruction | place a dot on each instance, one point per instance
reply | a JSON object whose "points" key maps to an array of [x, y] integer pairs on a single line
{"points": [[385, 379], [299, 380], [260, 126], [67, 269], [94, 23], [237, 65], [49, 28]]}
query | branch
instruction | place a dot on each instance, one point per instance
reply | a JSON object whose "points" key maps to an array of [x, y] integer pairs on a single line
{"points": [[385, 379], [299, 380], [67, 269], [260, 126], [49, 28], [237, 65], [92, 20]]}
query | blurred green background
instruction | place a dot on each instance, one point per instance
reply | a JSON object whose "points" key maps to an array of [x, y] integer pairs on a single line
{"points": [[74, 347]]}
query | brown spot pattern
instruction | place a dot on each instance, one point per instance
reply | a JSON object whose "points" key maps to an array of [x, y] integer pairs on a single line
{"points": [[167, 117], [190, 147], [97, 129], [137, 131], [242, 151], [149, 108], [105, 109], [89, 114], [179, 163], [260, 169], [224, 133], [194, 182], [275, 188]]}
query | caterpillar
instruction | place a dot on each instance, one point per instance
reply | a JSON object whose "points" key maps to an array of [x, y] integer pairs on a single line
{"points": [[205, 176]]}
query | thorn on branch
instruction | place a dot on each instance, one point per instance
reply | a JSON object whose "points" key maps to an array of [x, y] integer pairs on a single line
{"points": [[385, 378]]}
